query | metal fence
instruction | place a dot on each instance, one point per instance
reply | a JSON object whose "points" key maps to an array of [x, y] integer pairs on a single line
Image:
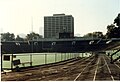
{"points": [[37, 58]]}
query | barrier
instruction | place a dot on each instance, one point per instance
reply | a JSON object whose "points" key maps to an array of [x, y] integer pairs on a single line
{"points": [[35, 59]]}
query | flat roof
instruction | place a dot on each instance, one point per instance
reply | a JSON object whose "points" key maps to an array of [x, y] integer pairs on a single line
{"points": [[58, 15]]}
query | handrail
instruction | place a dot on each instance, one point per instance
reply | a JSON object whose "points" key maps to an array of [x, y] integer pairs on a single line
{"points": [[112, 61], [115, 52]]}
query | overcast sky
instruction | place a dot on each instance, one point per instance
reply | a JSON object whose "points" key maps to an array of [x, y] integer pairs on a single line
{"points": [[89, 15]]}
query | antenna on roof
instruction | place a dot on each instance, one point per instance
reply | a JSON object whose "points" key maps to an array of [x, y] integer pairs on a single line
{"points": [[32, 23]]}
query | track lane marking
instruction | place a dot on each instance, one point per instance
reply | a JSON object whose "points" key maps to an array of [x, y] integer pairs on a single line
{"points": [[82, 71], [108, 69], [96, 70], [115, 63], [117, 66]]}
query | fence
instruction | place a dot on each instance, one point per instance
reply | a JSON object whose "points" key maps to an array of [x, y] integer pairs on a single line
{"points": [[38, 58]]}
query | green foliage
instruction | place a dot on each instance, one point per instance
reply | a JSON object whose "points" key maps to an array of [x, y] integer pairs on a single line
{"points": [[11, 37], [18, 38], [117, 20], [94, 35], [33, 36], [7, 37], [112, 30]]}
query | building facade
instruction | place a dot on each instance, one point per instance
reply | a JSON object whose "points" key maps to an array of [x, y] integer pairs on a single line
{"points": [[58, 23]]}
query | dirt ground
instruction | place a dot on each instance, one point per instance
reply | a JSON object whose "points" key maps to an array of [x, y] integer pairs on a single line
{"points": [[74, 69]]}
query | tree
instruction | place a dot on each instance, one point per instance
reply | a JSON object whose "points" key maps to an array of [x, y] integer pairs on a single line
{"points": [[18, 38], [7, 37], [94, 35], [88, 35], [112, 30], [110, 27], [117, 20], [33, 36], [98, 34]]}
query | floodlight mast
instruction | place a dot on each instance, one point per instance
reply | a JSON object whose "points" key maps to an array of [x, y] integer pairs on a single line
{"points": [[31, 41], [32, 23]]}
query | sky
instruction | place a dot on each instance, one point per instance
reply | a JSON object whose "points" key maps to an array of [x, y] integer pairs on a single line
{"points": [[16, 16]]}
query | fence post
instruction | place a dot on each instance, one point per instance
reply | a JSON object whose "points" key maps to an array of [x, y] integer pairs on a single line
{"points": [[55, 57], [61, 56], [68, 55], [30, 59], [82, 54], [32, 46], [65, 56], [11, 62], [45, 58]]}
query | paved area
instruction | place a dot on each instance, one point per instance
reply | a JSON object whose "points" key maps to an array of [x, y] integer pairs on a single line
{"points": [[93, 68]]}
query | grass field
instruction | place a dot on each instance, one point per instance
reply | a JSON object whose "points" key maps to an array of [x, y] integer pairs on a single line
{"points": [[42, 58], [46, 58]]}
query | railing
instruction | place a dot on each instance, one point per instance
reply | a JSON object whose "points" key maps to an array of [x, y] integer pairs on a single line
{"points": [[38, 58], [114, 55]]}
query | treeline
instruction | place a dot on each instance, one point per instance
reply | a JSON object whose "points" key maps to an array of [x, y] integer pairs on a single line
{"points": [[113, 31], [11, 37]]}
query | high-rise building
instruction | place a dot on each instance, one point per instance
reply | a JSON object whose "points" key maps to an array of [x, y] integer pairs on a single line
{"points": [[58, 23]]}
